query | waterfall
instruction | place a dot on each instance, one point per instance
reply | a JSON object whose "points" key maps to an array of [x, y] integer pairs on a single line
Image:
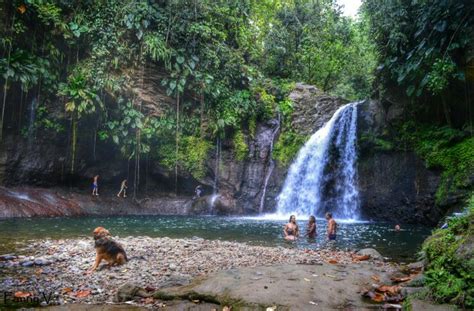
{"points": [[217, 164], [270, 168], [212, 203], [31, 122], [324, 175], [32, 117]]}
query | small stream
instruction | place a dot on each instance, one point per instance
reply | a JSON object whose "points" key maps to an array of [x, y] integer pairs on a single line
{"points": [[398, 246]]}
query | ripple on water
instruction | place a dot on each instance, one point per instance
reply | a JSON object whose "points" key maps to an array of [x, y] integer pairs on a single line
{"points": [[265, 230]]}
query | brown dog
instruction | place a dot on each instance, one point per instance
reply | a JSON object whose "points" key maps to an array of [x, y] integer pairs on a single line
{"points": [[107, 249]]}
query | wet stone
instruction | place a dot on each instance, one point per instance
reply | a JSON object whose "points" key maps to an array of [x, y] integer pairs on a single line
{"points": [[27, 263], [7, 257], [42, 262]]}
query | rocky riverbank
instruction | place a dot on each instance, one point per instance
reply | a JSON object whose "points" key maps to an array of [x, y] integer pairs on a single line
{"points": [[56, 202], [57, 268]]}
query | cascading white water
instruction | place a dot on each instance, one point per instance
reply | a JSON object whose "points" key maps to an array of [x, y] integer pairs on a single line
{"points": [[215, 188], [323, 177], [32, 118]]}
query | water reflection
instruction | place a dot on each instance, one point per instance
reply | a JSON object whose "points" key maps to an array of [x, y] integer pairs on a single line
{"points": [[401, 246]]}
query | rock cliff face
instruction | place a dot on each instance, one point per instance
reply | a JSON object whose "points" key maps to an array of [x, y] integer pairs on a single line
{"points": [[312, 108], [245, 180], [394, 186]]}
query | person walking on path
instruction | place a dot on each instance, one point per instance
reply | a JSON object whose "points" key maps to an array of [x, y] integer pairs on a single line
{"points": [[332, 227], [95, 185], [123, 188]]}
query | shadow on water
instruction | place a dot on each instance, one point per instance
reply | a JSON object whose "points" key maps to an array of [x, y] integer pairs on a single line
{"points": [[399, 246]]}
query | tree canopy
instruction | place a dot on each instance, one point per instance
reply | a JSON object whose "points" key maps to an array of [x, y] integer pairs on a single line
{"points": [[222, 65]]}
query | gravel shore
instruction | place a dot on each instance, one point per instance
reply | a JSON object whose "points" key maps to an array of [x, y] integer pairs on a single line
{"points": [[58, 267]]}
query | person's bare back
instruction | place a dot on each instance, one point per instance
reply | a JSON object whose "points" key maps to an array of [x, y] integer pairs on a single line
{"points": [[332, 227]]}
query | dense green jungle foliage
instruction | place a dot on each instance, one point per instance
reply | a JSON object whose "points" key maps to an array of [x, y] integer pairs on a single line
{"points": [[449, 276], [426, 58], [426, 52], [225, 66]]}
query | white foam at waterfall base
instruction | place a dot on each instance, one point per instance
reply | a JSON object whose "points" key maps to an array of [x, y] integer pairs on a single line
{"points": [[300, 219], [302, 193], [21, 196], [212, 203]]}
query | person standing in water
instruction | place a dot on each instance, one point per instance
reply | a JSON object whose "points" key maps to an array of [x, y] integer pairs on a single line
{"points": [[291, 230], [311, 230], [332, 227], [123, 188], [95, 185]]}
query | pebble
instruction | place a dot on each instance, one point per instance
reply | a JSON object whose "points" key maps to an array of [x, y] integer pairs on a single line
{"points": [[28, 263], [7, 257], [42, 262], [154, 262]]}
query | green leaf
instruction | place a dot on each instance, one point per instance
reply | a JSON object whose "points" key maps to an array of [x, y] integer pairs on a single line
{"points": [[410, 90], [172, 85]]}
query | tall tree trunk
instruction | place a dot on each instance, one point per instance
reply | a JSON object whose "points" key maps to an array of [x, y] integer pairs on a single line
{"points": [[202, 116], [74, 142], [137, 163], [13, 117], [446, 110], [467, 96], [5, 85], [138, 134], [177, 147], [20, 117]]}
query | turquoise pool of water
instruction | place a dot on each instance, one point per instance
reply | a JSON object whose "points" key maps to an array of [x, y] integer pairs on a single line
{"points": [[398, 246]]}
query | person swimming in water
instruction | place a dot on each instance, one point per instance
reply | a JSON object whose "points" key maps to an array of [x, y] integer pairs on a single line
{"points": [[291, 230], [311, 229], [332, 227]]}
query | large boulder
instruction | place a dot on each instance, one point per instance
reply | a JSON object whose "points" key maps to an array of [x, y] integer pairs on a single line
{"points": [[312, 108], [371, 252]]}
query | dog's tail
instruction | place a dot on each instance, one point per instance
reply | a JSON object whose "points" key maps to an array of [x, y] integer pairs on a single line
{"points": [[136, 258]]}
